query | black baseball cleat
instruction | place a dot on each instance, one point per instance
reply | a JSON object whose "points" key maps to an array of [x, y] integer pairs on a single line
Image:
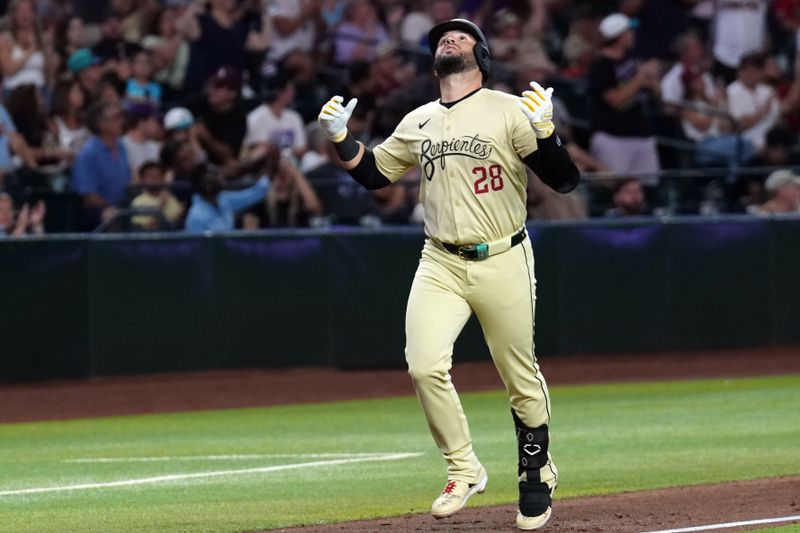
{"points": [[535, 505]]}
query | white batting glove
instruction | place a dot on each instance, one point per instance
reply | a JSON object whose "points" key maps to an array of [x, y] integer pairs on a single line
{"points": [[537, 105], [333, 117]]}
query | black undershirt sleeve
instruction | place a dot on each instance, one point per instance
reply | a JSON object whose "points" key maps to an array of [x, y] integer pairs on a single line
{"points": [[367, 174], [552, 163]]}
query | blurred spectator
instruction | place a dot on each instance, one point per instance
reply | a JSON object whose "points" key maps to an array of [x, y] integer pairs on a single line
{"points": [[343, 200], [317, 153], [784, 28], [133, 16], [786, 90], [113, 46], [778, 151], [11, 143], [546, 204], [142, 139], [386, 85], [140, 86], [752, 102], [691, 57], [388, 73], [156, 195], [392, 203], [783, 189], [629, 199], [110, 88], [54, 12], [29, 220], [291, 201], [705, 124], [660, 23], [221, 117], [423, 16], [179, 125], [622, 138], [296, 24], [24, 104], [515, 41], [213, 208], [218, 35], [70, 38], [180, 163], [101, 173], [66, 110], [739, 28], [358, 35], [310, 92], [92, 11], [85, 66], [563, 121], [170, 53], [788, 13], [274, 122], [114, 51], [700, 17], [26, 54], [578, 54]]}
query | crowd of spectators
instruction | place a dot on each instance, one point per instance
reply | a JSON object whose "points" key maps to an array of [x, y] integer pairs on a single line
{"points": [[167, 114]]}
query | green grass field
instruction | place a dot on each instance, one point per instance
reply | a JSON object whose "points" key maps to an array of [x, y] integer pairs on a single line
{"points": [[247, 469]]}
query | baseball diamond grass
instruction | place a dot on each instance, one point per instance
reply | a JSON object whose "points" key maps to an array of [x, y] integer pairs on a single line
{"points": [[605, 438]]}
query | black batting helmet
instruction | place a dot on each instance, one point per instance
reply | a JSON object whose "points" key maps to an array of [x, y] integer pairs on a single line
{"points": [[482, 54]]}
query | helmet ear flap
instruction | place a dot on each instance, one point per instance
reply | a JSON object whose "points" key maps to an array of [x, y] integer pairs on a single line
{"points": [[483, 58], [482, 51]]}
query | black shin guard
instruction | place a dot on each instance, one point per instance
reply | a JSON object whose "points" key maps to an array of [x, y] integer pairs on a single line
{"points": [[534, 496]]}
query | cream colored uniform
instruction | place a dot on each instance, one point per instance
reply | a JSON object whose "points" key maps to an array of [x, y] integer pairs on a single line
{"points": [[473, 190]]}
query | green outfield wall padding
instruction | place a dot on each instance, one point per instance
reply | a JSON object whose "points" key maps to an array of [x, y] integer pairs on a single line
{"points": [[82, 305]]}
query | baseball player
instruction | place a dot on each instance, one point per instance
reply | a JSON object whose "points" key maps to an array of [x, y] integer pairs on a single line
{"points": [[472, 146]]}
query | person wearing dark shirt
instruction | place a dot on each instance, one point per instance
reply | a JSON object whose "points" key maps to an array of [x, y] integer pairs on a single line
{"points": [[219, 34], [660, 23], [112, 46], [221, 116], [622, 138]]}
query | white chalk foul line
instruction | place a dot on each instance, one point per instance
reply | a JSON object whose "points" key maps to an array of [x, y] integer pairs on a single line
{"points": [[213, 473], [227, 457], [729, 525]]}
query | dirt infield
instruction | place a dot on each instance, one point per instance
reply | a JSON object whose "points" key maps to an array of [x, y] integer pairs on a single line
{"points": [[630, 512]]}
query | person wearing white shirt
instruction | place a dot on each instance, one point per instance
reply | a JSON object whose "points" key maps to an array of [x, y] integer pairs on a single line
{"points": [[751, 102], [739, 27], [691, 55], [294, 26], [274, 122]]}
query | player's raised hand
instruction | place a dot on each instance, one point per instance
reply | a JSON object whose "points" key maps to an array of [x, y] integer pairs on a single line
{"points": [[537, 104], [333, 117]]}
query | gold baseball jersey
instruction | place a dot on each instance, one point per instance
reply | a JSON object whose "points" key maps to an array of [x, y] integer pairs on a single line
{"points": [[473, 183]]}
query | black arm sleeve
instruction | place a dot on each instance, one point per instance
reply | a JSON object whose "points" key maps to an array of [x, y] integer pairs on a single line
{"points": [[552, 163], [367, 174]]}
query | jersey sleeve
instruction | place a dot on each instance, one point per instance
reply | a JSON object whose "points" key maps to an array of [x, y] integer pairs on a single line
{"points": [[393, 156]]}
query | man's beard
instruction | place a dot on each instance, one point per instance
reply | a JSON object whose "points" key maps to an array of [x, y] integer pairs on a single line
{"points": [[445, 65]]}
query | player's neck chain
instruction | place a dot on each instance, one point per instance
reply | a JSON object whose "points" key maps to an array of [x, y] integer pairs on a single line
{"points": [[469, 146]]}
